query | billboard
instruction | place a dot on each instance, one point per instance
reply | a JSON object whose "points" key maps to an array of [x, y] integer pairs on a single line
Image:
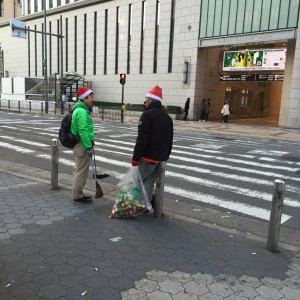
{"points": [[255, 60]]}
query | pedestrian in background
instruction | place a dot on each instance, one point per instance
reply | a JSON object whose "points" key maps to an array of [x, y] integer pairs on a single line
{"points": [[207, 109], [82, 125], [202, 110], [225, 112], [186, 108], [154, 140]]}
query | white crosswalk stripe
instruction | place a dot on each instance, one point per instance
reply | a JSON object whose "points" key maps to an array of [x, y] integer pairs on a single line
{"points": [[202, 169]]}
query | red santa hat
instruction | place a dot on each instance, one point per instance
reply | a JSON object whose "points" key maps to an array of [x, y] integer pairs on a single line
{"points": [[83, 92], [155, 93]]}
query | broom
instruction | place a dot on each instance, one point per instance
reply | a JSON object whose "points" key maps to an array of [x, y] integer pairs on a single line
{"points": [[99, 192]]}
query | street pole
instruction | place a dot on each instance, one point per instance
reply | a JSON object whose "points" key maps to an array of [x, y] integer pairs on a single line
{"points": [[45, 61], [61, 67], [122, 111]]}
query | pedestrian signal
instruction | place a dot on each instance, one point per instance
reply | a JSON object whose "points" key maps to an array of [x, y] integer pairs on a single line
{"points": [[122, 78]]}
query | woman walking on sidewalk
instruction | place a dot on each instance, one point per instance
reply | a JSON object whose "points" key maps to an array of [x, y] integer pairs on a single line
{"points": [[225, 112]]}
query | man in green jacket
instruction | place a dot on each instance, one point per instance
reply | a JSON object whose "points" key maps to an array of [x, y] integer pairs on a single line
{"points": [[82, 125]]}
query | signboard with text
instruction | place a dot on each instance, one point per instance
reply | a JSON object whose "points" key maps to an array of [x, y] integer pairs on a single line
{"points": [[252, 77], [255, 60]]}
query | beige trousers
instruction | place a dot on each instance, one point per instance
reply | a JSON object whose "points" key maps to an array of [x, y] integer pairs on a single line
{"points": [[81, 170]]}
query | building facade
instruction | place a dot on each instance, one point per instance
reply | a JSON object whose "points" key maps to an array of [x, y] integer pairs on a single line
{"points": [[243, 51]]}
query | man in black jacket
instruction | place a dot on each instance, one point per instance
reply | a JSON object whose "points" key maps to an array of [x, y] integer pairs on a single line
{"points": [[154, 140], [186, 108]]}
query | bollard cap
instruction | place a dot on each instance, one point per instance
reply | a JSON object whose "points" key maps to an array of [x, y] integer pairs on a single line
{"points": [[280, 185], [54, 142]]}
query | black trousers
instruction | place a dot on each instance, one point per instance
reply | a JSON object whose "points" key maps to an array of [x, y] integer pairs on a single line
{"points": [[185, 116], [225, 118]]}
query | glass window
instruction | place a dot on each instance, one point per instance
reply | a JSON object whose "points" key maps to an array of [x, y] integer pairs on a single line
{"points": [[217, 17], [204, 8], [1, 8], [274, 14], [225, 17], [240, 16], [29, 7], [58, 3], [142, 35], [84, 42], [51, 4], [105, 41], [232, 16], [283, 16], [117, 39], [264, 25], [95, 43], [75, 43], [211, 19], [256, 15], [67, 43], [248, 16], [156, 36], [129, 38], [35, 6], [293, 16], [171, 42]]}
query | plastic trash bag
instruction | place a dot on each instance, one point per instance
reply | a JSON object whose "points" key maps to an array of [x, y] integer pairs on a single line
{"points": [[132, 200]]}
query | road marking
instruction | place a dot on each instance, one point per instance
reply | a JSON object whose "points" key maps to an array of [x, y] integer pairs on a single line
{"points": [[234, 206], [16, 148], [32, 143], [267, 152]]}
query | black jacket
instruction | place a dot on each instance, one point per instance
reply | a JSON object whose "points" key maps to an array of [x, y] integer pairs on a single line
{"points": [[155, 134], [187, 106]]}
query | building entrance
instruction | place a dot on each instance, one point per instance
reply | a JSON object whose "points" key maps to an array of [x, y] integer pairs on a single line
{"points": [[254, 99], [247, 103]]}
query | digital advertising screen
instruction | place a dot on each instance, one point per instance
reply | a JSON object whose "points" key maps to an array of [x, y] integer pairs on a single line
{"points": [[255, 60]]}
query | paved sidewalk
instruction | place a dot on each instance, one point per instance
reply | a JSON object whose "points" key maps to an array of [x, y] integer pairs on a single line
{"points": [[244, 129], [51, 248]]}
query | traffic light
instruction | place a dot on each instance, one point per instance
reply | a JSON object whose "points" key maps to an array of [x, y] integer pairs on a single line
{"points": [[122, 78]]}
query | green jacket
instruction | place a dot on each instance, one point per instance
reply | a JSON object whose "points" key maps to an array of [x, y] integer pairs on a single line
{"points": [[82, 124]]}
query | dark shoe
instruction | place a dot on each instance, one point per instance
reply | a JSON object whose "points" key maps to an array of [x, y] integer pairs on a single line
{"points": [[84, 199]]}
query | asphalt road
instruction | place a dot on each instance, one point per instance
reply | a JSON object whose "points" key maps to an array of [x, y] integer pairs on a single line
{"points": [[221, 179]]}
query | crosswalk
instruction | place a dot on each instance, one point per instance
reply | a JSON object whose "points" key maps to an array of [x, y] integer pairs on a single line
{"points": [[235, 174]]}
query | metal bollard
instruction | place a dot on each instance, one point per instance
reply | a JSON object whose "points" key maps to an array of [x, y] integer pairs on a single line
{"points": [[42, 107], [54, 165], [275, 218], [19, 105], [159, 191], [29, 106]]}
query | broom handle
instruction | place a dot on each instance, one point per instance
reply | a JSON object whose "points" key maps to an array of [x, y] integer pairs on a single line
{"points": [[94, 166]]}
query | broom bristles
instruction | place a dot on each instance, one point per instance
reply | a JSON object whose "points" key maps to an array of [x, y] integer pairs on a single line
{"points": [[99, 192]]}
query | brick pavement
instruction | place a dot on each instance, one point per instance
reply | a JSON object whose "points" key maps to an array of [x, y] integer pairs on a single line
{"points": [[51, 248]]}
